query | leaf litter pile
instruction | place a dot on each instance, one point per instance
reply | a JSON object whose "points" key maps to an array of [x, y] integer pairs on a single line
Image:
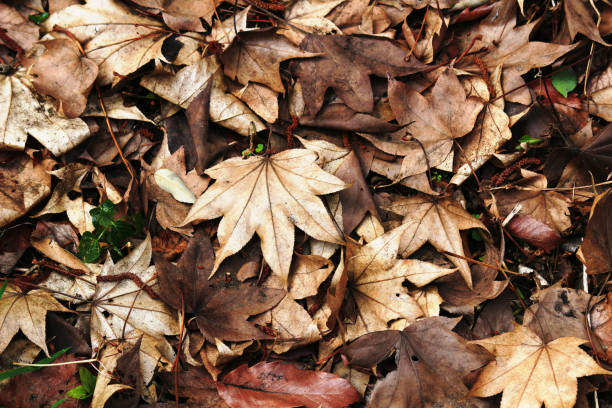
{"points": [[305, 203]]}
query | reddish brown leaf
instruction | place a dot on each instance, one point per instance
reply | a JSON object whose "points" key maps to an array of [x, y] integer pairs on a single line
{"points": [[534, 231], [597, 245], [281, 385], [601, 324]]}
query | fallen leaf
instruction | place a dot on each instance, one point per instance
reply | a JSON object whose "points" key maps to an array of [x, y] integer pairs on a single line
{"points": [[364, 55], [431, 363], [268, 195], [596, 247], [196, 385], [256, 56], [23, 184], [530, 371], [221, 313], [23, 114], [309, 16], [534, 231], [17, 28], [168, 181], [281, 385], [438, 221], [600, 324], [26, 312], [579, 18], [60, 71]]}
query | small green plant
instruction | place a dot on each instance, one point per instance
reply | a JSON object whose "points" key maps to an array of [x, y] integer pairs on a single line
{"points": [[249, 152], [109, 232], [438, 176], [38, 18], [565, 81], [527, 139]]}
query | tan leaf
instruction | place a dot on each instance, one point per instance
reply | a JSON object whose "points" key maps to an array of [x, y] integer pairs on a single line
{"points": [[309, 16], [23, 184], [267, 196], [17, 28], [22, 114], [531, 372], [261, 99], [225, 32], [117, 39], [437, 221], [550, 207], [256, 57], [26, 311], [71, 176], [60, 71]]}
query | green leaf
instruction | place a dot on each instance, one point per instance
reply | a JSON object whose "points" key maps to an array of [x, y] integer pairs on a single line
{"points": [[529, 139], [78, 392], [38, 18], [119, 233], [58, 403], [28, 369], [102, 216], [3, 288], [259, 148], [87, 379], [246, 153], [89, 247], [565, 81]]}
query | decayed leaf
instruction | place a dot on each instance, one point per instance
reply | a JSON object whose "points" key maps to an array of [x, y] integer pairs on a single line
{"points": [[26, 312], [17, 28], [126, 301], [267, 196], [364, 55], [22, 114], [23, 184], [308, 15], [281, 385], [597, 245], [531, 372], [434, 220], [225, 32], [60, 71], [579, 17], [71, 177], [256, 57], [183, 87], [435, 122], [221, 313], [117, 39], [431, 363], [549, 207]]}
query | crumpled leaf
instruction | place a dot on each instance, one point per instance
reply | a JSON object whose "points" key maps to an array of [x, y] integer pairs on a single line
{"points": [[221, 313], [431, 363], [60, 71], [256, 57], [281, 385], [267, 196], [308, 15], [531, 372], [22, 114], [17, 28], [434, 220], [579, 16], [117, 39], [23, 184], [26, 312], [364, 55]]}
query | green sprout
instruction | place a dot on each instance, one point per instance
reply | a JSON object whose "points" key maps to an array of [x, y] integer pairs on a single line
{"points": [[38, 18]]}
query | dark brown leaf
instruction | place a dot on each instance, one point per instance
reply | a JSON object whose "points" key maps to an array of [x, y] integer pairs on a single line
{"points": [[534, 231], [597, 245]]}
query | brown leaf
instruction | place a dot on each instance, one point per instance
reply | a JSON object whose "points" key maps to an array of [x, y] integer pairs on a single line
{"points": [[196, 385], [434, 220], [60, 71], [220, 312], [127, 372], [23, 184], [281, 385], [535, 232], [340, 117], [434, 121], [579, 17], [256, 56], [17, 28], [267, 196], [530, 371], [597, 245], [431, 363], [364, 56], [601, 324]]}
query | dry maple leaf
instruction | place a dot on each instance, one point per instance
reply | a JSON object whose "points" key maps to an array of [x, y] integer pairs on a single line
{"points": [[117, 39], [281, 385], [434, 121], [59, 70], [549, 207], [438, 221], [221, 313], [375, 284], [26, 311], [531, 372], [255, 56], [21, 114], [123, 299], [431, 363], [268, 196], [309, 16], [345, 66]]}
